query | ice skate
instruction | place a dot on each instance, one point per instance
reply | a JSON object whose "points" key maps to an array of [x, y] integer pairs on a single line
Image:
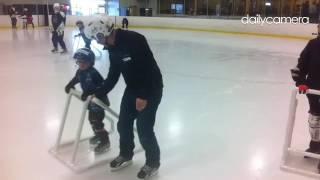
{"points": [[94, 140], [55, 50], [147, 172], [64, 51], [120, 163], [102, 142], [102, 147], [313, 148]]}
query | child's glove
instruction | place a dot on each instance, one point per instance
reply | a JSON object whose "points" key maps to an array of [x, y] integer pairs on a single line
{"points": [[84, 96], [68, 88], [303, 89]]}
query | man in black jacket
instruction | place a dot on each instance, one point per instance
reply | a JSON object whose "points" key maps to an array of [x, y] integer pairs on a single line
{"points": [[307, 75], [131, 56]]}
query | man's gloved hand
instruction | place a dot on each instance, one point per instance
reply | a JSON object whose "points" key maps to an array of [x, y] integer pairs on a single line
{"points": [[303, 89], [141, 104], [99, 93], [105, 100], [68, 88]]}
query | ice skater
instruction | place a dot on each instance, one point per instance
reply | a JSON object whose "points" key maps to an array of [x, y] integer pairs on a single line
{"points": [[29, 20], [23, 16], [58, 23], [131, 56], [13, 16], [307, 75], [86, 40], [125, 23], [89, 79]]}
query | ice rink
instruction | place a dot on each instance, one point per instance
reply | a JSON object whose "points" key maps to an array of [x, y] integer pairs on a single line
{"points": [[223, 114]]}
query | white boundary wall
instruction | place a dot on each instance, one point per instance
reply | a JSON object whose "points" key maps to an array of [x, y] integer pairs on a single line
{"points": [[233, 26]]}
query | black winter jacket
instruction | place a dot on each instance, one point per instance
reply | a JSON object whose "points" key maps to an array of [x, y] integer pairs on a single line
{"points": [[132, 57], [307, 71]]}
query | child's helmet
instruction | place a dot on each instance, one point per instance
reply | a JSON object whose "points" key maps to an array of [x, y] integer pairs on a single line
{"points": [[56, 7], [84, 54], [79, 22]]}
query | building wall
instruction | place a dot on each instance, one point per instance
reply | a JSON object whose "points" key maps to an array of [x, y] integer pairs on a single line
{"points": [[231, 26], [8, 2], [140, 4]]}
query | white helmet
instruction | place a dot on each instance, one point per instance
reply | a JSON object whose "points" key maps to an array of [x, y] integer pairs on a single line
{"points": [[98, 28], [56, 7]]}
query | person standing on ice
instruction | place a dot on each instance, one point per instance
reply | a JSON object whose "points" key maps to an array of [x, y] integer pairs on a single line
{"points": [[131, 56], [13, 16], [58, 24], [125, 23], [29, 19], [307, 75], [23, 16], [89, 78], [86, 40]]}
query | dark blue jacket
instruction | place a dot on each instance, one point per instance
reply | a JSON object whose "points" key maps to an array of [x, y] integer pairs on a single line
{"points": [[89, 80]]}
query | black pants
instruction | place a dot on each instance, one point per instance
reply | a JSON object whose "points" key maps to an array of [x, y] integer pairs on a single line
{"points": [[96, 116], [58, 39], [145, 123], [314, 103], [14, 22]]}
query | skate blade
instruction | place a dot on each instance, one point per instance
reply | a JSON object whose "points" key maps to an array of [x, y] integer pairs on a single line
{"points": [[93, 145], [102, 152], [151, 175], [124, 165], [307, 157]]}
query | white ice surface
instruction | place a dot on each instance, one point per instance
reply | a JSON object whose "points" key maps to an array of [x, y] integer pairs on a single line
{"points": [[223, 113]]}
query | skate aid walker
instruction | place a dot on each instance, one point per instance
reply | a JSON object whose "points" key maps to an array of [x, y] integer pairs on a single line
{"points": [[68, 153], [293, 159]]}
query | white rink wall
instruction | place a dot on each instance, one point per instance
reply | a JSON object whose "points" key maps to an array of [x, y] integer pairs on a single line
{"points": [[230, 26]]}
